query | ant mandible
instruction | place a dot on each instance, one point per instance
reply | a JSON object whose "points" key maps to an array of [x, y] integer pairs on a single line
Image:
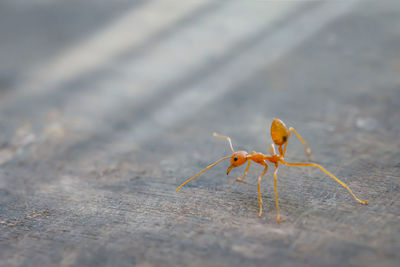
{"points": [[280, 135]]}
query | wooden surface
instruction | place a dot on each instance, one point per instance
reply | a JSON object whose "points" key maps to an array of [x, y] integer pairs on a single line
{"points": [[105, 110]]}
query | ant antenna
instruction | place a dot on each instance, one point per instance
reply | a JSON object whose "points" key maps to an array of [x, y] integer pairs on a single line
{"points": [[227, 138], [209, 167]]}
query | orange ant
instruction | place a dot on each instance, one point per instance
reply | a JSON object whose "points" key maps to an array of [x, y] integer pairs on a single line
{"points": [[280, 135]]}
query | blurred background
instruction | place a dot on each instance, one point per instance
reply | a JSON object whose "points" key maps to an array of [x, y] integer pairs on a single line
{"points": [[107, 106]]}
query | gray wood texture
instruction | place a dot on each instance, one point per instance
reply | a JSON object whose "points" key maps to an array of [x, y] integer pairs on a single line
{"points": [[106, 109]]}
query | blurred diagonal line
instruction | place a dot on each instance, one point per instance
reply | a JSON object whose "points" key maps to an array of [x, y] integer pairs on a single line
{"points": [[197, 44], [243, 66], [194, 52], [115, 39]]}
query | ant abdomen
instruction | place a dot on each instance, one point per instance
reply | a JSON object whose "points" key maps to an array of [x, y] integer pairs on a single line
{"points": [[279, 132]]}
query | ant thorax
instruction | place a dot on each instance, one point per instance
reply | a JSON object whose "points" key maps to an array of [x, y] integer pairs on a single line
{"points": [[258, 158]]}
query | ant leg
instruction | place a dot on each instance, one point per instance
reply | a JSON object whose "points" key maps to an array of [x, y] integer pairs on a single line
{"points": [[272, 149], [259, 190], [245, 173], [308, 150], [246, 170], [278, 219], [330, 174]]}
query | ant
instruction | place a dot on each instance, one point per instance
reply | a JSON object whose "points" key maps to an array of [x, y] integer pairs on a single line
{"points": [[280, 135]]}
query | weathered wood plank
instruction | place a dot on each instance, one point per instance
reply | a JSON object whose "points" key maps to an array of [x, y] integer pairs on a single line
{"points": [[90, 180]]}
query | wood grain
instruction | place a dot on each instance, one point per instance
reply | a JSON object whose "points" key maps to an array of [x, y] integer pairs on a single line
{"points": [[89, 166]]}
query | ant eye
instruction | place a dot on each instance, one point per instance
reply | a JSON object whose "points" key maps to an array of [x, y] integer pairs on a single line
{"points": [[235, 158]]}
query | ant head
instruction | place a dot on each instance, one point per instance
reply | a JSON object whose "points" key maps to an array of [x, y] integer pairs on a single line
{"points": [[238, 158]]}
